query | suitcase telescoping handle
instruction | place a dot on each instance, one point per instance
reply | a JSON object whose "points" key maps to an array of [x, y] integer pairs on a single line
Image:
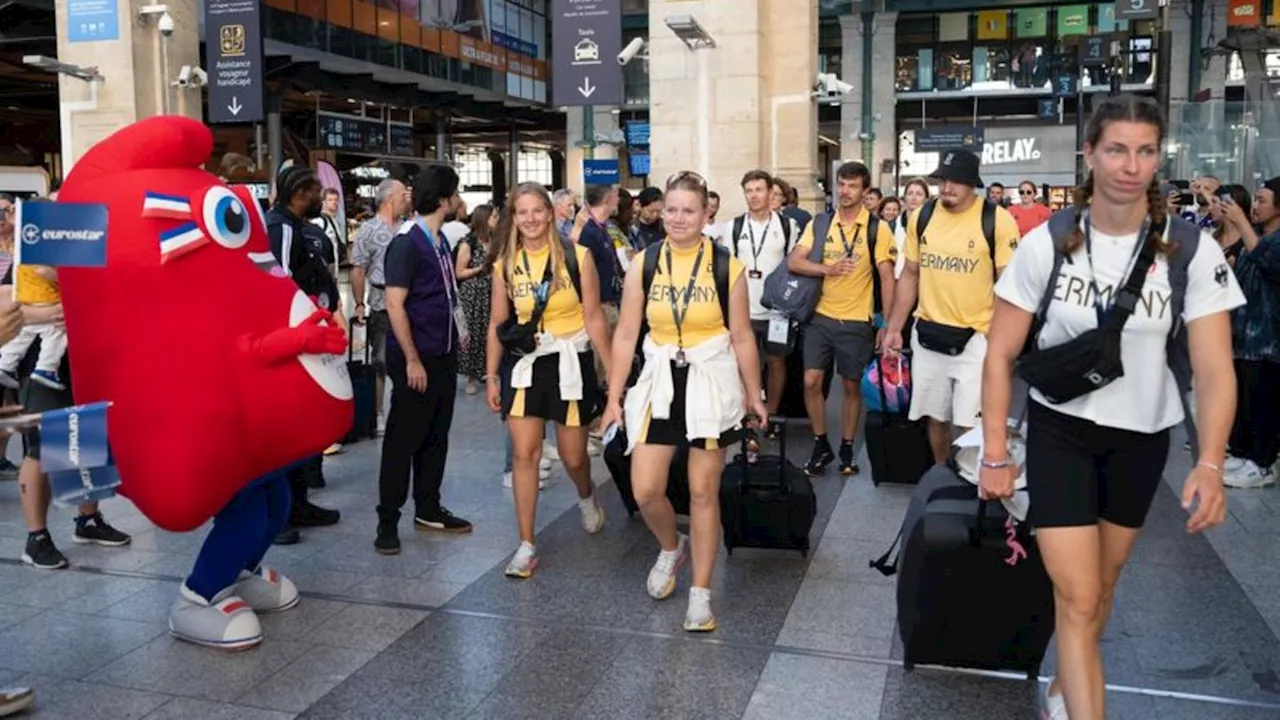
{"points": [[744, 482]]}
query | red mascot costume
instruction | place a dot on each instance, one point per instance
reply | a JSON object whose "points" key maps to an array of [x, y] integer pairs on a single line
{"points": [[221, 373]]}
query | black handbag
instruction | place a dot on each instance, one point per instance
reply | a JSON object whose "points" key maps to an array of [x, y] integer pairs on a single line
{"points": [[945, 339], [1092, 359], [521, 338]]}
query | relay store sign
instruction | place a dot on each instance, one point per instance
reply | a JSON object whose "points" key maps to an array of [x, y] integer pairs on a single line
{"points": [[998, 152], [1030, 149]]}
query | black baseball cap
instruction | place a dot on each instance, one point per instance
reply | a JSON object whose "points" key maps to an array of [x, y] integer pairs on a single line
{"points": [[958, 166]]}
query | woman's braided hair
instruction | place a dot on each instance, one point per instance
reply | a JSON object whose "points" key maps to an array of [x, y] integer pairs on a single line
{"points": [[1123, 108]]}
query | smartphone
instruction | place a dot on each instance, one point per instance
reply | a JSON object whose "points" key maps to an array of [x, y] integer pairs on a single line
{"points": [[1186, 198]]}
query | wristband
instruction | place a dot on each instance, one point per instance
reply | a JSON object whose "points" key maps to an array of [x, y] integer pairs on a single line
{"points": [[997, 464], [1211, 466]]}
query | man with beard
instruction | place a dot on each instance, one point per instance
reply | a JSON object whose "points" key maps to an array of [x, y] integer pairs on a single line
{"points": [[298, 200]]}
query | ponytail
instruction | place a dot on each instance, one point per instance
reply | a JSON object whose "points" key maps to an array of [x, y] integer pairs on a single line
{"points": [[1080, 202]]}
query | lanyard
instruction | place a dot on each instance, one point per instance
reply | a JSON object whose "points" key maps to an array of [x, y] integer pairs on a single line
{"points": [[540, 296], [446, 267], [848, 247], [764, 237], [1093, 278], [676, 315]]}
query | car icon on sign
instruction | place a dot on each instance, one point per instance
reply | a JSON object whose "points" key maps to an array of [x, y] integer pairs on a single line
{"points": [[586, 49]]}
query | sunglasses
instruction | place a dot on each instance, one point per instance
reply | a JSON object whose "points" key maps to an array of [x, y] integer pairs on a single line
{"points": [[1026, 192], [686, 175]]}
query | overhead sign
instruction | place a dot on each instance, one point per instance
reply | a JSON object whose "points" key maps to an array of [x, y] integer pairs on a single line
{"points": [[601, 172], [92, 20], [233, 43], [1064, 85], [353, 133], [951, 137], [1137, 9], [1017, 150], [637, 134], [61, 234], [585, 41], [1095, 50]]}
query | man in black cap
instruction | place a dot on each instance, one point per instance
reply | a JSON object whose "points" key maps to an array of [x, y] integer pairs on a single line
{"points": [[290, 233], [955, 248]]}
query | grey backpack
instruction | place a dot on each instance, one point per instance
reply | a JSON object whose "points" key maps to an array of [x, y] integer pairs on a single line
{"points": [[1186, 239], [793, 295]]}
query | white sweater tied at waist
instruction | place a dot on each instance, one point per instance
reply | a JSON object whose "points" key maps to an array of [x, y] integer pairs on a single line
{"points": [[568, 349], [713, 393]]}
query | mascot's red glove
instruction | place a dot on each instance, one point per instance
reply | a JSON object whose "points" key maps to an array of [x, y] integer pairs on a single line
{"points": [[219, 369]]}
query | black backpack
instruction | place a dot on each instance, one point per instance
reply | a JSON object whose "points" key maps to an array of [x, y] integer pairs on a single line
{"points": [[719, 270], [988, 225]]}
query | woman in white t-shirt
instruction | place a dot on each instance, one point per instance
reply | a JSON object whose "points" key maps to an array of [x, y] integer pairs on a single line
{"points": [[1094, 463]]}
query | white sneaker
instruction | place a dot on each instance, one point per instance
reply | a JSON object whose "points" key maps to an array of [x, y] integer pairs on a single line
{"points": [[523, 563], [266, 591], [662, 577], [542, 477], [1232, 463], [1249, 477], [699, 618], [1052, 707], [592, 514], [550, 452], [545, 465]]}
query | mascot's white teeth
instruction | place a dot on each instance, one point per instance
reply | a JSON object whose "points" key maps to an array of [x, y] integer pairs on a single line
{"points": [[266, 262], [329, 371]]}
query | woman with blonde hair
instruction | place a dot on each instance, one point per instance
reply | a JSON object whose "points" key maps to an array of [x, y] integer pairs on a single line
{"points": [[544, 317], [699, 356]]}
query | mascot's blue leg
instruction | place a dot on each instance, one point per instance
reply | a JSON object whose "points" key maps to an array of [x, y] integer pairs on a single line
{"points": [[228, 586]]}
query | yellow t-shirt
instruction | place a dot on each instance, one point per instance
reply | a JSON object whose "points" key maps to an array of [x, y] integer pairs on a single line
{"points": [[563, 316], [849, 297], [703, 320], [957, 282], [34, 289]]}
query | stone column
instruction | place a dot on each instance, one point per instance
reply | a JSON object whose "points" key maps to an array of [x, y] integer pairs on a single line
{"points": [[138, 67], [744, 104]]}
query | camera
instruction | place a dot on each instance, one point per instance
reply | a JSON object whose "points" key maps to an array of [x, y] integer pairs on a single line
{"points": [[831, 84], [630, 52], [165, 25], [192, 77]]}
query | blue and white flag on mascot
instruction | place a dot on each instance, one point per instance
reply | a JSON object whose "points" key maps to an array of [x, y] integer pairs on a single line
{"points": [[75, 454]]}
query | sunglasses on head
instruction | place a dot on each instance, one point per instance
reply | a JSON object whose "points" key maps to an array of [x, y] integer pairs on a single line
{"points": [[686, 175]]}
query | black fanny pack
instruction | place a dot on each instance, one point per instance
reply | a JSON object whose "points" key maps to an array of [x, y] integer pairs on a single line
{"points": [[1091, 360], [521, 338], [945, 339]]}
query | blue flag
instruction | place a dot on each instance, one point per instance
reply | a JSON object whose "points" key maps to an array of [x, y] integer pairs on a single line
{"points": [[62, 234], [75, 454]]}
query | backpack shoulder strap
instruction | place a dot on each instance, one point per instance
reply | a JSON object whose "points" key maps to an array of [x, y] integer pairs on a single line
{"points": [[821, 226], [571, 264], [651, 265], [720, 263], [923, 216], [989, 230], [873, 233], [1061, 225], [737, 232], [1186, 240], [786, 233]]}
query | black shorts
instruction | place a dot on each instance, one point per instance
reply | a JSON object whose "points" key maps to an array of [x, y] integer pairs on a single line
{"points": [[37, 398], [673, 431], [542, 398], [850, 343], [1079, 472]]}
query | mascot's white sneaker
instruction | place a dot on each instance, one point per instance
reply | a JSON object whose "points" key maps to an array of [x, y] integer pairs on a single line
{"points": [[267, 591], [228, 622]]}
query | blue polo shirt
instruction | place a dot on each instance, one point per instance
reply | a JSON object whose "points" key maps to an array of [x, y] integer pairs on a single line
{"points": [[423, 265]]}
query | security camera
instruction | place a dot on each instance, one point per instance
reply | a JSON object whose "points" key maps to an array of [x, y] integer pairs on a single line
{"points": [[831, 84], [199, 78], [630, 52], [184, 76], [165, 25]]}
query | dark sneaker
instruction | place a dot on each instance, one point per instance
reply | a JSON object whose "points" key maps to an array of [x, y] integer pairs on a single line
{"points": [[8, 471], [41, 553], [310, 515], [775, 430], [820, 459], [441, 521], [288, 536], [92, 529], [388, 540], [848, 466]]}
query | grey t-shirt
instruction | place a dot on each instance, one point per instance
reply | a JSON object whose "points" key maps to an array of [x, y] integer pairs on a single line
{"points": [[369, 252]]}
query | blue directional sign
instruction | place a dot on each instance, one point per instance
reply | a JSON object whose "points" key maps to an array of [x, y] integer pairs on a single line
{"points": [[1064, 85], [601, 172], [62, 234], [1048, 109], [92, 20]]}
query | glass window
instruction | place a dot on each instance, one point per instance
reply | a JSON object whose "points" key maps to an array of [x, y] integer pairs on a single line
{"points": [[474, 168], [953, 67], [540, 36], [534, 166]]}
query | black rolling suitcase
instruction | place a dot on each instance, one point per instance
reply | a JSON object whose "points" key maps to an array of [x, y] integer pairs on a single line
{"points": [[363, 388], [969, 594], [897, 447], [768, 503], [620, 469]]}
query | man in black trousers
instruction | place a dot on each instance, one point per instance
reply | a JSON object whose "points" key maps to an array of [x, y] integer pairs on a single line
{"points": [[422, 363]]}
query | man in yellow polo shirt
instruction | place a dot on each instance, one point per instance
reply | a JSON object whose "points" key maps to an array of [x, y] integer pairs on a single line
{"points": [[841, 328], [951, 267]]}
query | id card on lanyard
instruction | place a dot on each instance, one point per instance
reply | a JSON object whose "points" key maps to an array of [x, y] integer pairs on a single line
{"points": [[445, 259]]}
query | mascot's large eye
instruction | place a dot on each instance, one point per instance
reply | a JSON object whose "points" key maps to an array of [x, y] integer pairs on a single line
{"points": [[225, 218]]}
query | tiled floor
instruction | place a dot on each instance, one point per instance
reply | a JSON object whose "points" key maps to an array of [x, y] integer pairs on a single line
{"points": [[439, 632]]}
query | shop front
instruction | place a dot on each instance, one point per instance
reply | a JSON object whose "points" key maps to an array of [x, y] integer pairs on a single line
{"points": [[1042, 154]]}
